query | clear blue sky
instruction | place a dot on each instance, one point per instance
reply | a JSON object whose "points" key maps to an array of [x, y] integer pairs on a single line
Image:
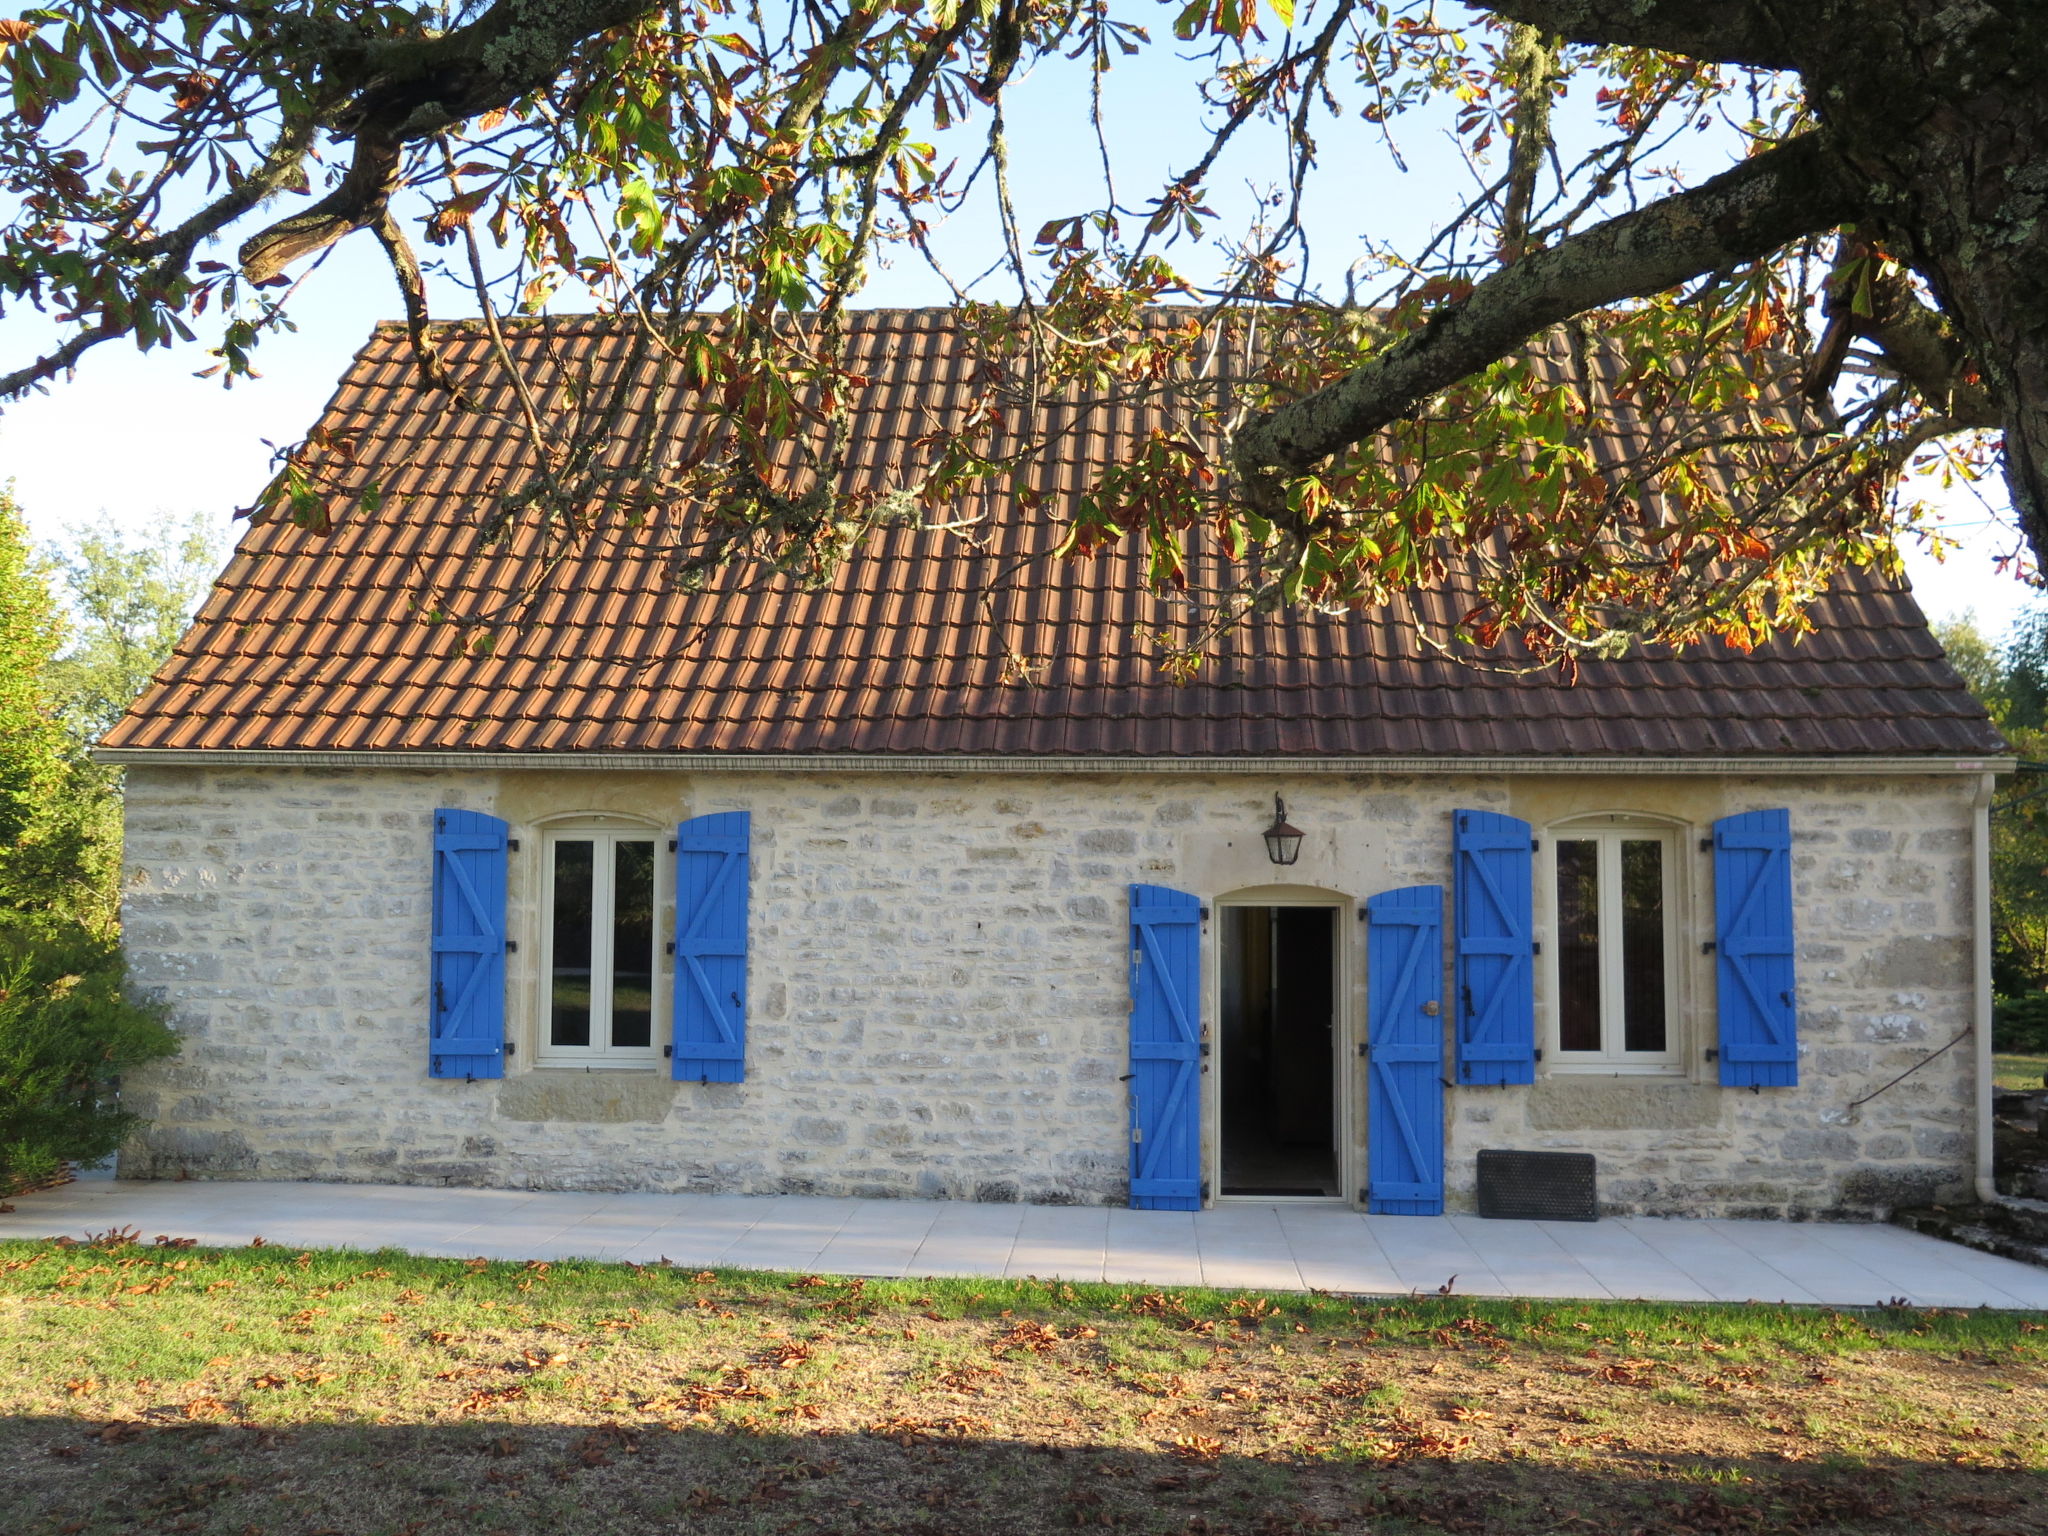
{"points": [[144, 441]]}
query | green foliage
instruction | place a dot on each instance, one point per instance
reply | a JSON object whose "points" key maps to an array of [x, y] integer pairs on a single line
{"points": [[31, 746], [744, 170], [130, 600], [62, 684], [59, 836], [2011, 680], [67, 1032], [2020, 1024]]}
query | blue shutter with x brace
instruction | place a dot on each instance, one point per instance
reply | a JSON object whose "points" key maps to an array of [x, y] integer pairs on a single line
{"points": [[1166, 1050], [1495, 974], [710, 987], [1404, 982], [466, 1011], [1753, 950]]}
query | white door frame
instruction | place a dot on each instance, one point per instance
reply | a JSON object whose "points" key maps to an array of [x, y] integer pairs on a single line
{"points": [[1343, 1035]]}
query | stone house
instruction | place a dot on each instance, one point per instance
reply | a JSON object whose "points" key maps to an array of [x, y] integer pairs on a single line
{"points": [[925, 882]]}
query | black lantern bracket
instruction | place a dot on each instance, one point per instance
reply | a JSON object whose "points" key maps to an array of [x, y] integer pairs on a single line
{"points": [[1283, 840]]}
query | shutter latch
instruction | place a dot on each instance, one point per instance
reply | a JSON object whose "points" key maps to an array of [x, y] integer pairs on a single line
{"points": [[669, 1051]]}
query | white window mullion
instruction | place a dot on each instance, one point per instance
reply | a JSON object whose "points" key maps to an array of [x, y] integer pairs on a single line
{"points": [[603, 859], [1613, 998]]}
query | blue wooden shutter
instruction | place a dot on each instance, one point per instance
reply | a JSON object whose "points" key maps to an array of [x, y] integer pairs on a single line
{"points": [[1753, 950], [1166, 1050], [1495, 976], [466, 1009], [1404, 983], [710, 987]]}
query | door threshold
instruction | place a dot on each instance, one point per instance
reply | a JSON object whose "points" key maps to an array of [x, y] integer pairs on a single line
{"points": [[1243, 1199]]}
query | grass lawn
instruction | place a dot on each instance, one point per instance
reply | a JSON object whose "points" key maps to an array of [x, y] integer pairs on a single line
{"points": [[266, 1392], [2009, 1071]]}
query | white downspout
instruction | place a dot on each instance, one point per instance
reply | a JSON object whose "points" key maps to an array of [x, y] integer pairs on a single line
{"points": [[1980, 935]]}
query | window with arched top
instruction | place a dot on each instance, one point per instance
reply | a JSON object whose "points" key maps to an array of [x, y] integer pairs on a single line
{"points": [[600, 962], [1615, 896]]}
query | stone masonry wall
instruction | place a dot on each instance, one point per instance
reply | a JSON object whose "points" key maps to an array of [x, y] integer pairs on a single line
{"points": [[937, 990]]}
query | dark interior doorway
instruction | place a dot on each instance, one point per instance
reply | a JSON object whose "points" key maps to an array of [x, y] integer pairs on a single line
{"points": [[1278, 1063]]}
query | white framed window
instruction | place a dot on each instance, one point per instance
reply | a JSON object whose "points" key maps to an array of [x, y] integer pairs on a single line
{"points": [[601, 985], [1613, 960]]}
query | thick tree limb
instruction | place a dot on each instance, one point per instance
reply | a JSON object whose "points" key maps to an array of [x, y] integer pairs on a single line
{"points": [[1720, 31], [1868, 301], [1740, 215], [412, 91]]}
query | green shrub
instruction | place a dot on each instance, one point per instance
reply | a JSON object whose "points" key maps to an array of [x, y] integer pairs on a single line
{"points": [[67, 1032], [2020, 1024]]}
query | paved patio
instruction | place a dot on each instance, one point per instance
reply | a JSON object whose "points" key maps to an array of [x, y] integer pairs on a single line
{"points": [[1265, 1247]]}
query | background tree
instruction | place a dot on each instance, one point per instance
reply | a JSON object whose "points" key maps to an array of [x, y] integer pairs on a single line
{"points": [[2011, 678], [1443, 412], [130, 597], [53, 859], [67, 1028]]}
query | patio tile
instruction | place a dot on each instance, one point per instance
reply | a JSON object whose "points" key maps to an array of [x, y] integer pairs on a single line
{"points": [[1283, 1246], [1622, 1262], [968, 1239], [875, 1242], [1725, 1269], [1060, 1242], [1427, 1253], [1154, 1248], [1801, 1257], [1527, 1260], [1335, 1250]]}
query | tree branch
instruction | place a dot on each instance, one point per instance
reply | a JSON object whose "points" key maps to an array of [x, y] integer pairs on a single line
{"points": [[413, 91], [1720, 31], [167, 255], [1530, 58], [1738, 216]]}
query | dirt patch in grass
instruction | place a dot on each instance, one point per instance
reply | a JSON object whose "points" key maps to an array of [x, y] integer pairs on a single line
{"points": [[259, 1393]]}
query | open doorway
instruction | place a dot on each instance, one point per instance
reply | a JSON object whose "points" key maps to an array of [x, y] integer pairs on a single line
{"points": [[1279, 1041]]}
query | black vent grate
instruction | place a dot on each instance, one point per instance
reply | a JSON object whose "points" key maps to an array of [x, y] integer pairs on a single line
{"points": [[1537, 1186]]}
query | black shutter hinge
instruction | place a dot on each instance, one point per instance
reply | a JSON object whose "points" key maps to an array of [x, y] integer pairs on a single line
{"points": [[1364, 914], [1535, 845], [1713, 1054], [1364, 1051], [1539, 1053], [1535, 946], [671, 845], [1706, 845], [1364, 1195], [668, 1051], [1707, 948], [1205, 914], [670, 946], [511, 1047], [1205, 1189], [512, 843], [511, 946]]}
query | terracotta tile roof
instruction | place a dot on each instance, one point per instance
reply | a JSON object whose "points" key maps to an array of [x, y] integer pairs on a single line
{"points": [[316, 642]]}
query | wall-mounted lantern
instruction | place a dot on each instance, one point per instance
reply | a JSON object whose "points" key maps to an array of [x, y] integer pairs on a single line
{"points": [[1283, 842]]}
